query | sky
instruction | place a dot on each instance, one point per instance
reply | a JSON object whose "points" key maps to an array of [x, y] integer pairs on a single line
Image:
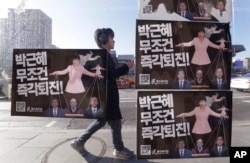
{"points": [[74, 21]]}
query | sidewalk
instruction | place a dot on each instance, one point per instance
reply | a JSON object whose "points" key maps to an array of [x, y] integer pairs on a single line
{"points": [[53, 146]]}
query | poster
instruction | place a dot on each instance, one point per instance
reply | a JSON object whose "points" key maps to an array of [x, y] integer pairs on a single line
{"points": [[183, 124], [59, 83], [182, 55], [186, 10]]}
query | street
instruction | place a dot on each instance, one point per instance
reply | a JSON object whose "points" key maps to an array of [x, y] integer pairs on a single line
{"points": [[241, 106]]}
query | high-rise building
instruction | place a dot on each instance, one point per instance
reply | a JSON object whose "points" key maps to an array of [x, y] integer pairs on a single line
{"points": [[246, 63], [29, 29], [3, 41]]}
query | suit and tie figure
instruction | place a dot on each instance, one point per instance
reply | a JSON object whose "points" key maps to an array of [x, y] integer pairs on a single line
{"points": [[73, 108], [219, 150], [199, 81], [181, 83], [199, 150], [55, 111], [183, 11], [94, 111], [201, 13], [182, 152], [219, 82]]}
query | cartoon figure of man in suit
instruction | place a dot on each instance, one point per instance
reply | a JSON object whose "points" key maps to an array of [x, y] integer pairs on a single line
{"points": [[73, 109], [199, 79], [182, 152], [219, 82], [199, 149], [94, 111], [183, 11], [181, 83], [219, 150], [55, 111]]}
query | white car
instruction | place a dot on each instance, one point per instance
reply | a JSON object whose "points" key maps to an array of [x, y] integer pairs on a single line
{"points": [[241, 83]]}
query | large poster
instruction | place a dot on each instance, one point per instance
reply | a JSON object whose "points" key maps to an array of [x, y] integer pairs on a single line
{"points": [[183, 124], [59, 83], [182, 55], [186, 10]]}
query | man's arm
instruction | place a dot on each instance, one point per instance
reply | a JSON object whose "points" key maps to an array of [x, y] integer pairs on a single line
{"points": [[122, 70]]}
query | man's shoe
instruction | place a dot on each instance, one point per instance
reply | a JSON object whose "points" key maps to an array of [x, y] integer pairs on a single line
{"points": [[124, 154], [79, 148]]}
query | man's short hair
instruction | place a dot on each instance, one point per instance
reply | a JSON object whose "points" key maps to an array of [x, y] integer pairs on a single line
{"points": [[102, 36]]}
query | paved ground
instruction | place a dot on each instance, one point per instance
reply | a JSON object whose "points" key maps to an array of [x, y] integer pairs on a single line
{"points": [[52, 146]]}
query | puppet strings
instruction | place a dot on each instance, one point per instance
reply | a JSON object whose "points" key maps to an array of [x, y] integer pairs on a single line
{"points": [[221, 121], [59, 90], [92, 85], [218, 128], [185, 69], [219, 58]]}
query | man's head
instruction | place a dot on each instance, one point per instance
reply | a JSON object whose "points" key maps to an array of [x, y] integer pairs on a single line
{"points": [[54, 103], [105, 38], [199, 74], [181, 74], [93, 102], [201, 6], [181, 144], [73, 103], [219, 73], [199, 143], [219, 141], [182, 6], [220, 5]]}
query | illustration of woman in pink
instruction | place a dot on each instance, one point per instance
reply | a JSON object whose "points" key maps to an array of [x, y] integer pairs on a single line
{"points": [[75, 71], [201, 113], [200, 43]]}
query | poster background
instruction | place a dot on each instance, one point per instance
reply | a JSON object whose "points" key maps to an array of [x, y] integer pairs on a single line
{"points": [[168, 10], [183, 101], [180, 32], [59, 59]]}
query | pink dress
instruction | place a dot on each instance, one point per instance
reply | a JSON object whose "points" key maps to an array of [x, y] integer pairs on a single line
{"points": [[75, 84], [200, 56], [201, 125]]}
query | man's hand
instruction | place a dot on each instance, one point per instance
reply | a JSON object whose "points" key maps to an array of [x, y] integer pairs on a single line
{"points": [[130, 64]]}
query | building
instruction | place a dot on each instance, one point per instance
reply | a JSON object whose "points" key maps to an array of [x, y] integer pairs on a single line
{"points": [[238, 63], [113, 55], [121, 59], [3, 42], [29, 29], [246, 63], [125, 58]]}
